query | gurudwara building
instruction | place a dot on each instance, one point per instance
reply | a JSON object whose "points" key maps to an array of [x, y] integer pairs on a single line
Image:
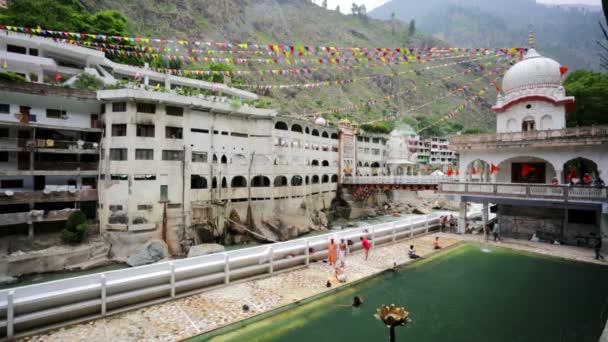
{"points": [[533, 167]]}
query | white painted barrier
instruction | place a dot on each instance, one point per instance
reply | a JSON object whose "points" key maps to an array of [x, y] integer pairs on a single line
{"points": [[54, 303]]}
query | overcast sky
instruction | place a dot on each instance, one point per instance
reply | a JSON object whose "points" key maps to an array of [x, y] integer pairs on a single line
{"points": [[371, 4]]}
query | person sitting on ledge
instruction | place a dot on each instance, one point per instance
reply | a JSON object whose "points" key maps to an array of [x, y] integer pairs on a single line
{"points": [[436, 243], [340, 275], [412, 253], [587, 179], [554, 181]]}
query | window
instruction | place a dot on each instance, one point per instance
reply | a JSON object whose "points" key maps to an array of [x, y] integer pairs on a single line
{"points": [[115, 207], [198, 130], [174, 206], [119, 130], [144, 177], [148, 108], [144, 154], [119, 107], [173, 132], [16, 49], [118, 154], [55, 113], [173, 155], [4, 132], [174, 111], [33, 52], [119, 177], [225, 133], [199, 157], [198, 182], [145, 131], [11, 183], [239, 135], [582, 216], [144, 207], [5, 108], [3, 156], [164, 193]]}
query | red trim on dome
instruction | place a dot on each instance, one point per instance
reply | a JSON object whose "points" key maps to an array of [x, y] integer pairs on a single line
{"points": [[568, 102]]}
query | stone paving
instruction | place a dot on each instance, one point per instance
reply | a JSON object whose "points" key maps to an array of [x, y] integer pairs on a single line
{"points": [[196, 314]]}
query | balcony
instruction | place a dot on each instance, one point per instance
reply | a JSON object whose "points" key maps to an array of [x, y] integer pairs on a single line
{"points": [[35, 216], [47, 145], [562, 137], [65, 166], [14, 197], [562, 193]]}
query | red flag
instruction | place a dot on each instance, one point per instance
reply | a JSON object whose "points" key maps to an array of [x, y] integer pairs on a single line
{"points": [[526, 169], [494, 169], [450, 172], [474, 171], [563, 70], [58, 77], [572, 173]]}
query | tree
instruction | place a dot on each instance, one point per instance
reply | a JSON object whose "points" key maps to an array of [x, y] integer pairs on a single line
{"points": [[411, 31], [393, 23], [325, 4], [338, 9], [75, 228], [590, 89], [362, 11], [355, 9]]}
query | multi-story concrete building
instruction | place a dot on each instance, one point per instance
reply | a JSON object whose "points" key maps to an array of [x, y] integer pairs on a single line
{"points": [[49, 154], [440, 153]]}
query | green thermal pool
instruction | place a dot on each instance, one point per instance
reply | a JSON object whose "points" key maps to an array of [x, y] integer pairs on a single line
{"points": [[464, 294]]}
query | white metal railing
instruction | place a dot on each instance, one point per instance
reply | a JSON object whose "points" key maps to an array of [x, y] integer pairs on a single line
{"points": [[541, 191], [397, 180], [96, 295]]}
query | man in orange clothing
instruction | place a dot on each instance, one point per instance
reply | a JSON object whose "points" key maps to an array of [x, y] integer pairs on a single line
{"points": [[332, 253]]}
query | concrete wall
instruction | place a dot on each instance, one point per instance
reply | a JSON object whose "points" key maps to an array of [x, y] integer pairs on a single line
{"points": [[545, 115]]}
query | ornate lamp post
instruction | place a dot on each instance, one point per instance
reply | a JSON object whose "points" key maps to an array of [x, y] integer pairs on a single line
{"points": [[393, 317]]}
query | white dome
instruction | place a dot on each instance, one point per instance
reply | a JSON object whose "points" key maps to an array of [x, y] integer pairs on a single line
{"points": [[321, 121], [534, 71]]}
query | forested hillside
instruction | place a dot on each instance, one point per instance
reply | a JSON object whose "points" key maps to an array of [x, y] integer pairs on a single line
{"points": [[425, 96], [566, 33]]}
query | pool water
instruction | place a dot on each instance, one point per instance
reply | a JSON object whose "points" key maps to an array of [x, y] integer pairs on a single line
{"points": [[464, 294]]}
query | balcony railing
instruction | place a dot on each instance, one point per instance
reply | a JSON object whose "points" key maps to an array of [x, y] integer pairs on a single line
{"points": [[35, 216], [395, 180], [48, 144], [65, 166], [15, 197], [567, 133], [531, 191]]}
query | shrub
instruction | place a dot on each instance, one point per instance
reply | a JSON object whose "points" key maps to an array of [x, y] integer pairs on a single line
{"points": [[11, 77], [75, 228], [88, 82]]}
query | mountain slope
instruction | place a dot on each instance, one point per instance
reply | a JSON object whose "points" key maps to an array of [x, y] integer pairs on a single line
{"points": [[302, 22], [567, 34]]}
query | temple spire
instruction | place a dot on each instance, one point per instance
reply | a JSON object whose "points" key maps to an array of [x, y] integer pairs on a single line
{"points": [[531, 39]]}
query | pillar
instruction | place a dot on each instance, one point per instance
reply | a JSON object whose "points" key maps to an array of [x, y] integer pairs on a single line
{"points": [[462, 217], [604, 227], [167, 83], [485, 213], [30, 225], [559, 174]]}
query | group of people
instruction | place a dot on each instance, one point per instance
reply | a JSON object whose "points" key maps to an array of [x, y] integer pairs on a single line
{"points": [[586, 180], [494, 228], [450, 222], [337, 254]]}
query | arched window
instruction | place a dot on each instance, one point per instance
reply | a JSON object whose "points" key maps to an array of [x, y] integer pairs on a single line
{"points": [[260, 182], [546, 122], [214, 183], [238, 159], [315, 179], [325, 179], [307, 180], [375, 164], [360, 164], [511, 125], [528, 124], [198, 182], [315, 133], [325, 134], [280, 181], [224, 183], [307, 130], [334, 179], [281, 125], [296, 180], [296, 128], [366, 164], [238, 182], [325, 163], [224, 160], [314, 162], [334, 136], [214, 159]]}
